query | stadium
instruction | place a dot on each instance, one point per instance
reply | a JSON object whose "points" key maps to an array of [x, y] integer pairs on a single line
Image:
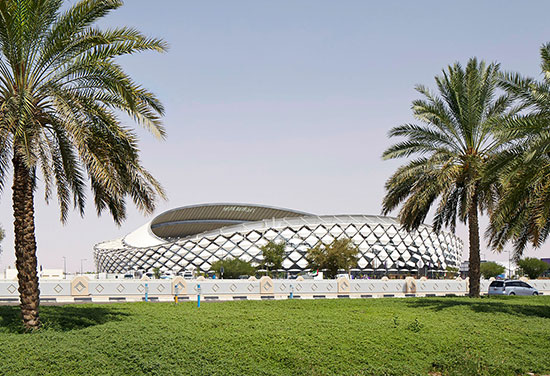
{"points": [[193, 237]]}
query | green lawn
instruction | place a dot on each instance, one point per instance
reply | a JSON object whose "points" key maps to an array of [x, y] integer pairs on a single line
{"points": [[413, 336]]}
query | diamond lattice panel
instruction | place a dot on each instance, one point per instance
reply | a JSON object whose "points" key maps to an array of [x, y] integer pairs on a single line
{"points": [[376, 240]]}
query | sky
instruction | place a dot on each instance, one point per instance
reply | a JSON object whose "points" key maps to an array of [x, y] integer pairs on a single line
{"points": [[288, 103]]}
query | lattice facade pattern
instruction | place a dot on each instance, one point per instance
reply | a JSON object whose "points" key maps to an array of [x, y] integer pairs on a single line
{"points": [[382, 245]]}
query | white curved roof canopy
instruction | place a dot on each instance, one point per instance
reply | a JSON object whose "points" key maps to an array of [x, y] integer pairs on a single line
{"points": [[195, 219], [206, 220]]}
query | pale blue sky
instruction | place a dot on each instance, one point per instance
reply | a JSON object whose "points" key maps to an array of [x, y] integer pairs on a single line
{"points": [[287, 103]]}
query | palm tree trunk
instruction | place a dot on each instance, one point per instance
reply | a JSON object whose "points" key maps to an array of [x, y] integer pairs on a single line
{"points": [[25, 243], [474, 269]]}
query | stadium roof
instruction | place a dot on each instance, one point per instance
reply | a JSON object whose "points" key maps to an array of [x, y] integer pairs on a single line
{"points": [[195, 219]]}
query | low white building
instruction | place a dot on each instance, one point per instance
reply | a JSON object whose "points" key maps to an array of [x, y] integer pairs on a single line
{"points": [[10, 274], [51, 274]]}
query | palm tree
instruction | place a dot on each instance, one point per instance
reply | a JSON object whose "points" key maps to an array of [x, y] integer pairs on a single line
{"points": [[61, 93], [523, 212], [2, 236], [452, 147]]}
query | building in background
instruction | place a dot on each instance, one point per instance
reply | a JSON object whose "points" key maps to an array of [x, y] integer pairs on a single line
{"points": [[547, 272], [194, 237]]}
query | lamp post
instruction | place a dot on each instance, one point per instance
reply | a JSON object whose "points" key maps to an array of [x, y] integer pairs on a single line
{"points": [[420, 265], [64, 267], [509, 266], [81, 266]]}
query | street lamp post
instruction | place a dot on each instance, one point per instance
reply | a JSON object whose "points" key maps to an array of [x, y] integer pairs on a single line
{"points": [[509, 266], [420, 265], [64, 267]]}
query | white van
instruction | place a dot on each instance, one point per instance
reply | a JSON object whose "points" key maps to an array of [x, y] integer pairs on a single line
{"points": [[167, 275]]}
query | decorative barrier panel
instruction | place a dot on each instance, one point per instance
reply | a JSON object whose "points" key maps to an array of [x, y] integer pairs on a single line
{"points": [[313, 287], [8, 289], [129, 287], [484, 285], [442, 286], [83, 289], [55, 288], [378, 286], [540, 284], [224, 287]]}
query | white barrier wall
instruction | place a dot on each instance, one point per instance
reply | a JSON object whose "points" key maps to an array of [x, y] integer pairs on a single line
{"points": [[540, 284], [378, 286], [129, 287], [309, 287], [445, 286], [224, 287], [82, 289], [8, 289], [53, 288]]}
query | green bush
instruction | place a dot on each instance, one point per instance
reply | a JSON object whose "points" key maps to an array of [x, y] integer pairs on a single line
{"points": [[491, 269], [340, 254], [273, 254], [415, 326], [232, 268], [156, 273], [533, 267], [451, 272]]}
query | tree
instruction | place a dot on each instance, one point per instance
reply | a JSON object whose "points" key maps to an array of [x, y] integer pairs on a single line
{"points": [[452, 146], [2, 236], [522, 215], [533, 267], [273, 254], [340, 254], [451, 272], [233, 268], [491, 269], [61, 95], [157, 273]]}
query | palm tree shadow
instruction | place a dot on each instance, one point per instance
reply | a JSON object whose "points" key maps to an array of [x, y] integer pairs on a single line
{"points": [[61, 318], [492, 305]]}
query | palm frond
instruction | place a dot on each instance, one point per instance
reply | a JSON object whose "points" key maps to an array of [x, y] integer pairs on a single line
{"points": [[61, 93], [453, 146]]}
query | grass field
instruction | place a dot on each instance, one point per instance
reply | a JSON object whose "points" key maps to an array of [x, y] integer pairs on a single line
{"points": [[413, 336]]}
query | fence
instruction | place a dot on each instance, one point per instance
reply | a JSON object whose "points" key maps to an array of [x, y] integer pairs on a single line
{"points": [[81, 289]]}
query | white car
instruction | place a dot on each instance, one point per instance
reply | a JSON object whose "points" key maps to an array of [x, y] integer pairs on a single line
{"points": [[343, 275], [511, 288], [167, 275]]}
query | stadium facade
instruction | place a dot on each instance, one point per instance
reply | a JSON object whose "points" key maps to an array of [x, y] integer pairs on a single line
{"points": [[195, 236]]}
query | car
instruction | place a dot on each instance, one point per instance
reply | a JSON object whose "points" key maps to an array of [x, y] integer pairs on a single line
{"points": [[508, 287], [211, 274], [188, 274], [343, 275], [167, 275]]}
